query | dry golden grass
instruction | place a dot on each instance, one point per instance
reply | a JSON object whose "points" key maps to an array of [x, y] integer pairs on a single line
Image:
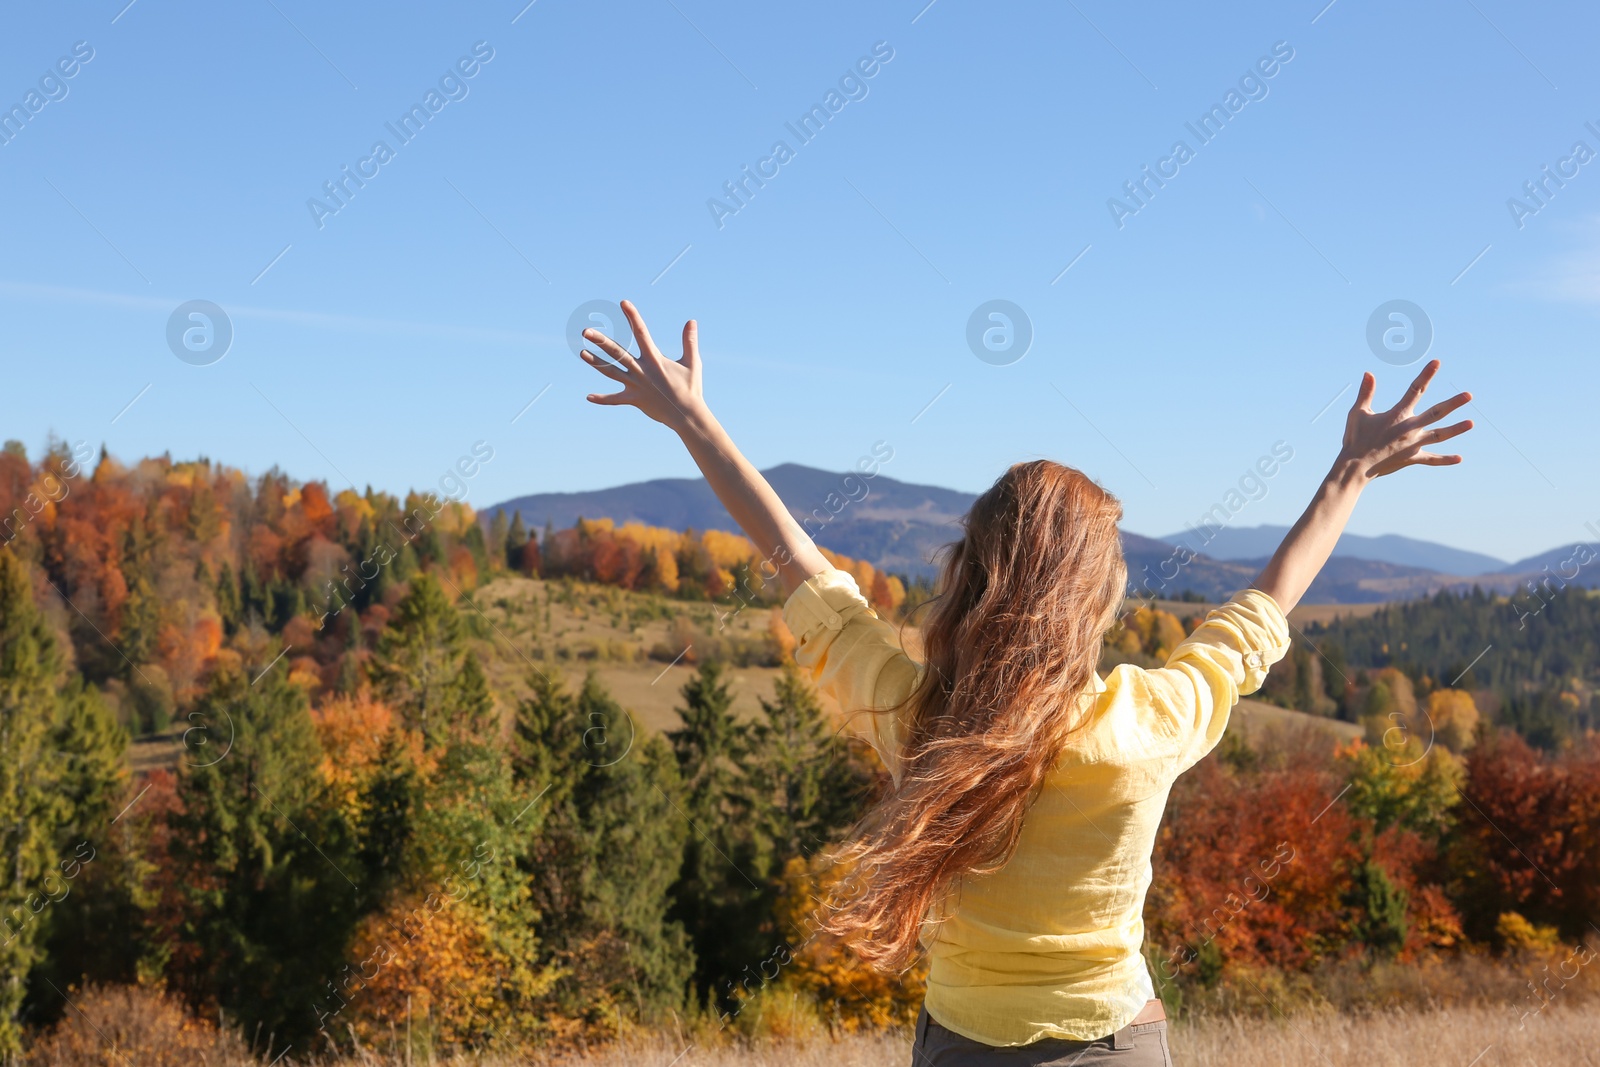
{"points": [[528, 613], [1304, 615], [1460, 1037], [1258, 719], [118, 1026], [649, 690]]}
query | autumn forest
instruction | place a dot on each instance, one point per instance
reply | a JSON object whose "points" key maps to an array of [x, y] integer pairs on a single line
{"points": [[307, 769]]}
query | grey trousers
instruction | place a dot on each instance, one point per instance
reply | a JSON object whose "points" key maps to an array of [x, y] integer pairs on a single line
{"points": [[1143, 1045]]}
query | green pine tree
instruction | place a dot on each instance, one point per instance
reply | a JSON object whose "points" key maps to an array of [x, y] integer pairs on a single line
{"points": [[1381, 910], [430, 546], [496, 544], [609, 851], [475, 543], [96, 930], [516, 537], [711, 742], [31, 809], [371, 554], [471, 719], [807, 784], [388, 806], [350, 673], [547, 739], [91, 750], [252, 594], [405, 565], [287, 601], [141, 620], [418, 655], [720, 897], [472, 831], [229, 605], [264, 866]]}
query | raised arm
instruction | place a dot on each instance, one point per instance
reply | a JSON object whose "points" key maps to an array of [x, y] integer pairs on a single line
{"points": [[1375, 444], [669, 392]]}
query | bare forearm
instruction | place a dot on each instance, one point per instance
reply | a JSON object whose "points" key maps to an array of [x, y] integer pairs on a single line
{"points": [[1310, 542], [751, 501]]}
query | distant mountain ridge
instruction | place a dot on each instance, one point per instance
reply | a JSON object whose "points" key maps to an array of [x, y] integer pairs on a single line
{"points": [[1259, 542], [900, 526]]}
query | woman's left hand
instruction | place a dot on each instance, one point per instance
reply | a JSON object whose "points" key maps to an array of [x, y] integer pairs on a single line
{"points": [[1382, 442]]}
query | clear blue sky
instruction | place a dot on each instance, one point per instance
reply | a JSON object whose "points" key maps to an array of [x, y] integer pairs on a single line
{"points": [[430, 309]]}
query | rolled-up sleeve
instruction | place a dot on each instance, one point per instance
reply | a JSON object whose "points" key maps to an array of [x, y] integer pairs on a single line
{"points": [[1226, 657], [852, 656]]}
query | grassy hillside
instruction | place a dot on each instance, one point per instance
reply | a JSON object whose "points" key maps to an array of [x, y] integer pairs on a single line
{"points": [[642, 646], [632, 641]]}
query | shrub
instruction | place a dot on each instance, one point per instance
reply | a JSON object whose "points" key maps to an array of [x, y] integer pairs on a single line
{"points": [[111, 1026]]}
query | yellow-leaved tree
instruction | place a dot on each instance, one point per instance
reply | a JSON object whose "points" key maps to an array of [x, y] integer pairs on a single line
{"points": [[846, 993], [435, 965], [1454, 717]]}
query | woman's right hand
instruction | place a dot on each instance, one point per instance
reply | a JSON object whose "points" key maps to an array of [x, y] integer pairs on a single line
{"points": [[1381, 442], [667, 390]]}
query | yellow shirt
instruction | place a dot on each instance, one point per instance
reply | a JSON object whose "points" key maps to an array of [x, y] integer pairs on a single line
{"points": [[1049, 946]]}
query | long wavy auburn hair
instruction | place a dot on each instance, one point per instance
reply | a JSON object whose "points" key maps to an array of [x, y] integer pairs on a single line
{"points": [[1010, 644]]}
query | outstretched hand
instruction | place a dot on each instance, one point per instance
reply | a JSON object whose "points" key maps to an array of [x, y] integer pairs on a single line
{"points": [[1382, 442], [667, 390], [1375, 443]]}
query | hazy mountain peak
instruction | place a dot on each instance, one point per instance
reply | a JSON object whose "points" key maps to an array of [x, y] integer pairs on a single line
{"points": [[900, 526], [1259, 542]]}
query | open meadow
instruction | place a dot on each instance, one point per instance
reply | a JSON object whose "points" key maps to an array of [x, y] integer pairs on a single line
{"points": [[1460, 1037], [116, 1031]]}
